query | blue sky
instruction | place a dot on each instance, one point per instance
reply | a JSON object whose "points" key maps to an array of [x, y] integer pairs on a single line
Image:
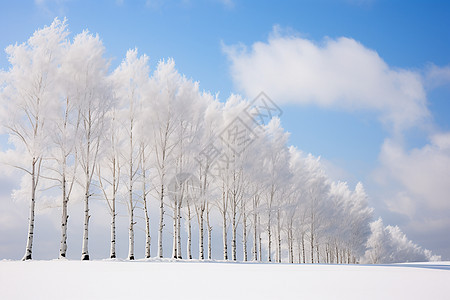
{"points": [[410, 36]]}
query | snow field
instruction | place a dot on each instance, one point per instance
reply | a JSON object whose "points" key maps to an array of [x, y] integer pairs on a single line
{"points": [[165, 279]]}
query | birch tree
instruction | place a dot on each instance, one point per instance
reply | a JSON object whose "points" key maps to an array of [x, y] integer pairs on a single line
{"points": [[30, 92], [163, 89], [108, 171], [277, 172], [205, 157], [130, 79], [65, 156], [93, 99], [144, 162], [316, 194], [232, 140]]}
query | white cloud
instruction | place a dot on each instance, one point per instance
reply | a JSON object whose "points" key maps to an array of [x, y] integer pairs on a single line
{"points": [[338, 73], [424, 173], [401, 203], [415, 187]]}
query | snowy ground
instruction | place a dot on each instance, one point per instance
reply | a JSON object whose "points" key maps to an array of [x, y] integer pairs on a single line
{"points": [[155, 279]]}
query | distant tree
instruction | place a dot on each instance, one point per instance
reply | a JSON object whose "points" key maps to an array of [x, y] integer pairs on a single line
{"points": [[388, 244]]}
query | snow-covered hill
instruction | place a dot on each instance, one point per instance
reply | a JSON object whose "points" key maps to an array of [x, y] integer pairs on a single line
{"points": [[155, 279]]}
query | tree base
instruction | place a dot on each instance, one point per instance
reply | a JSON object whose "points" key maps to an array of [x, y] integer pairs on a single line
{"points": [[85, 257], [113, 256], [27, 257], [131, 257]]}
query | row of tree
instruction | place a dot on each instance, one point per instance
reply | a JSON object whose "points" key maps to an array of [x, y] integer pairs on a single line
{"points": [[134, 137]]}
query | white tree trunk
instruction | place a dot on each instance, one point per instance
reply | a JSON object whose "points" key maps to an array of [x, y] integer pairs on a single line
{"points": [[279, 236], [64, 217], [259, 238], [255, 233], [144, 200], [131, 233], [244, 233], [161, 222], [189, 240], [85, 250], [224, 237], [318, 253], [29, 247], [179, 256], [312, 241], [303, 248], [147, 228], [290, 245], [201, 248], [130, 193], [255, 240], [112, 251], [337, 254], [88, 164], [327, 257], [234, 234], [175, 229], [269, 245], [209, 233]]}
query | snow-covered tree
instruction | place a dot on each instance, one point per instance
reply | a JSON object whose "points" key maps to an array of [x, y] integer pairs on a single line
{"points": [[163, 88], [388, 244], [204, 162], [145, 152], [276, 165], [64, 136], [130, 81], [30, 93], [93, 96], [108, 171]]}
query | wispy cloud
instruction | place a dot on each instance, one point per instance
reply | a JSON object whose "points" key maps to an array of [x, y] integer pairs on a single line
{"points": [[229, 4], [52, 7], [436, 76], [154, 4]]}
